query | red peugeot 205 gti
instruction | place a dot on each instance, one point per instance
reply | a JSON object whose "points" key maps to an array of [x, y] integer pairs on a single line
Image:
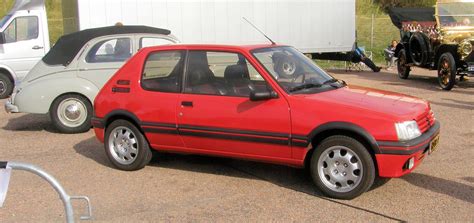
{"points": [[264, 102]]}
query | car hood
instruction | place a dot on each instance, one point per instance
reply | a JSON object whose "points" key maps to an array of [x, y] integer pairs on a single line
{"points": [[42, 69], [399, 106]]}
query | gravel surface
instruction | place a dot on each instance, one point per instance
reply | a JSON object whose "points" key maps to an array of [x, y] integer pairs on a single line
{"points": [[188, 188]]}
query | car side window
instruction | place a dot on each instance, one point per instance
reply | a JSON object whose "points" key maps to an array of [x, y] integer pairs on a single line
{"points": [[221, 73], [153, 41], [163, 71], [111, 50], [22, 28]]}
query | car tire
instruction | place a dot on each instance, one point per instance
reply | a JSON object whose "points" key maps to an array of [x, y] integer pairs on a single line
{"points": [[6, 86], [446, 71], [71, 113], [342, 168], [402, 67], [126, 146], [419, 49]]}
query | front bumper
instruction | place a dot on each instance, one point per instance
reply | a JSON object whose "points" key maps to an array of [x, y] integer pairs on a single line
{"points": [[10, 107], [393, 157]]}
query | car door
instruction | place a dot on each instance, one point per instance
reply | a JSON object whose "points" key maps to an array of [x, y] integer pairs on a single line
{"points": [[24, 44], [215, 114], [161, 85], [103, 57]]}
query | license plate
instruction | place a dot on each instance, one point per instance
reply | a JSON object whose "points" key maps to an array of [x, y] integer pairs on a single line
{"points": [[470, 68], [434, 144]]}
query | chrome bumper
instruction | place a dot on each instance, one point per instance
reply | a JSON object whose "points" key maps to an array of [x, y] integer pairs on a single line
{"points": [[9, 107]]}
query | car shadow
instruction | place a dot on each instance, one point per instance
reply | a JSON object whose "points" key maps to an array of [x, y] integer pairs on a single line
{"points": [[453, 189], [423, 81], [30, 122], [282, 176]]}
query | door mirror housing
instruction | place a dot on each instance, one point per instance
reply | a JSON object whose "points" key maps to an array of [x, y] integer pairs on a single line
{"points": [[262, 95]]}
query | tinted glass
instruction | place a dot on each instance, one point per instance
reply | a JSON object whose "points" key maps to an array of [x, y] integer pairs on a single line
{"points": [[221, 73], [112, 50], [295, 72], [163, 71], [22, 28]]}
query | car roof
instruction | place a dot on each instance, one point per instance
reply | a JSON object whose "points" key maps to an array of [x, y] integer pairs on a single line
{"points": [[66, 48], [213, 47]]}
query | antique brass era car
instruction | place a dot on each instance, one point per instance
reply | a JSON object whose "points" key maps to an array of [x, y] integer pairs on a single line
{"points": [[438, 38]]}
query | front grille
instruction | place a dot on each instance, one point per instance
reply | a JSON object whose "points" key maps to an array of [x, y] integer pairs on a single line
{"points": [[425, 121]]}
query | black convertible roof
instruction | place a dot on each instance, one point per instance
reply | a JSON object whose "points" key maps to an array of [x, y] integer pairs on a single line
{"points": [[66, 48], [399, 15]]}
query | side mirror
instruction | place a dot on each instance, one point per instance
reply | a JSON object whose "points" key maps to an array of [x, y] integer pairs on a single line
{"points": [[2, 38], [262, 95]]}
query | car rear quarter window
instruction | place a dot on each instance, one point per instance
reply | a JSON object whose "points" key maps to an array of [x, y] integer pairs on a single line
{"points": [[221, 73], [111, 50], [163, 71]]}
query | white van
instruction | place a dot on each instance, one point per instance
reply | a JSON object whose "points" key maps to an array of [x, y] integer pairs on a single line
{"points": [[24, 40]]}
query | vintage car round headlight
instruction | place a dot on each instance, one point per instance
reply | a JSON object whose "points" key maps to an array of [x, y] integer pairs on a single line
{"points": [[466, 47]]}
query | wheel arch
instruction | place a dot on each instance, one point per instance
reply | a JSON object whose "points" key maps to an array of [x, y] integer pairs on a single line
{"points": [[9, 73], [122, 114], [341, 128]]}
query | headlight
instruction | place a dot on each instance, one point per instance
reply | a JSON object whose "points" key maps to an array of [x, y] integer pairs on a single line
{"points": [[407, 130], [466, 47]]}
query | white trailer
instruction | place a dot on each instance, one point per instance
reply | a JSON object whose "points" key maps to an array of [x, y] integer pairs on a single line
{"points": [[312, 26]]}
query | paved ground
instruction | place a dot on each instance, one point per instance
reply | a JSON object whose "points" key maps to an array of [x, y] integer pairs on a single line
{"points": [[195, 188]]}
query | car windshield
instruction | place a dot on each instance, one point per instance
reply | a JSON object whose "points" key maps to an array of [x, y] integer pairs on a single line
{"points": [[456, 14], [4, 20], [295, 72]]}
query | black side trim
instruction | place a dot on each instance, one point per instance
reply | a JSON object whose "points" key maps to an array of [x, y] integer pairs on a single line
{"points": [[159, 130], [348, 127], [237, 131], [411, 146], [299, 141], [97, 122], [3, 164], [167, 125], [234, 137]]}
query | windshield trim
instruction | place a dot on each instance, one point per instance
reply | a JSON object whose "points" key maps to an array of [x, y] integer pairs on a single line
{"points": [[323, 88]]}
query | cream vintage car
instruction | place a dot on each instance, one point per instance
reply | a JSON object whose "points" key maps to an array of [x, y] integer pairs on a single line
{"points": [[67, 79]]}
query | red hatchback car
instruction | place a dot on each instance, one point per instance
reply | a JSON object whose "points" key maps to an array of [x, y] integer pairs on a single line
{"points": [[265, 102]]}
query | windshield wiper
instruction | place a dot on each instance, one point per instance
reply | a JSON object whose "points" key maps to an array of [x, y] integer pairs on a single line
{"points": [[304, 86], [334, 80], [330, 81]]}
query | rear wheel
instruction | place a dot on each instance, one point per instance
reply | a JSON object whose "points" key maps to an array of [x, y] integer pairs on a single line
{"points": [[71, 113], [126, 147], [447, 71], [341, 167], [402, 67], [6, 86]]}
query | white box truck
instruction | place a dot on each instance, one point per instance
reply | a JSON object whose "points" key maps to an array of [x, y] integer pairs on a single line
{"points": [[312, 26]]}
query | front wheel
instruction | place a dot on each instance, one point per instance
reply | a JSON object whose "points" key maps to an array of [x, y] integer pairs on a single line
{"points": [[126, 147], [342, 168], [402, 67], [71, 113], [446, 71]]}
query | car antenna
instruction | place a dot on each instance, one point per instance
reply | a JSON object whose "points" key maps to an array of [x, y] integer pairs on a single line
{"points": [[273, 43]]}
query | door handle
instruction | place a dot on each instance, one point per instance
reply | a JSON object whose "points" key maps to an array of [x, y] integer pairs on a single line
{"points": [[187, 103], [37, 47]]}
